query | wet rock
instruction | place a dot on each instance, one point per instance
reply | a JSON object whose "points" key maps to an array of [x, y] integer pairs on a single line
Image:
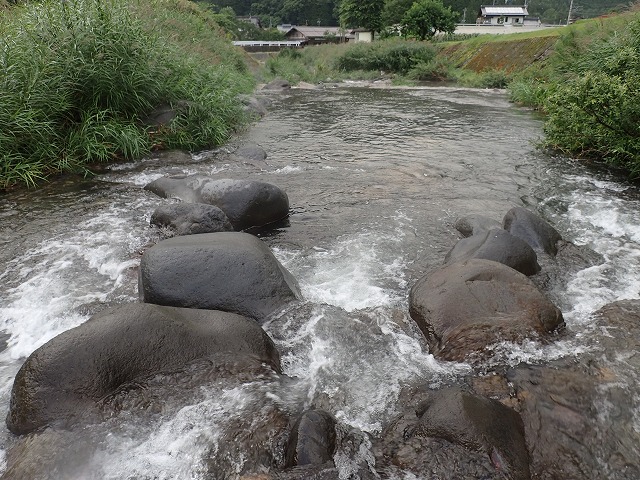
{"points": [[277, 84], [578, 412], [246, 203], [475, 224], [256, 106], [312, 440], [526, 225], [463, 307], [191, 218], [479, 424], [47, 455], [165, 114], [252, 152], [75, 370], [227, 271], [398, 451], [497, 245]]}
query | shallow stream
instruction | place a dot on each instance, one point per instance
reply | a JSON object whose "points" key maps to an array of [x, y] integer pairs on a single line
{"points": [[376, 178]]}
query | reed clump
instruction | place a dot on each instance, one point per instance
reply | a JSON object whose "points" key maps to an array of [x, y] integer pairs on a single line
{"points": [[77, 77]]}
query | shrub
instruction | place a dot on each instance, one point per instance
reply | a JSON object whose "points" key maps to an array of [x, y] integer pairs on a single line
{"points": [[594, 109], [395, 56], [437, 69], [76, 79]]}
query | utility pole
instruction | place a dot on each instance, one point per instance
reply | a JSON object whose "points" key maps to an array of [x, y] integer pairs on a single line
{"points": [[570, 9]]}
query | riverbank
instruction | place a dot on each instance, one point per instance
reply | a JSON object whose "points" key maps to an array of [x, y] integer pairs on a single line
{"points": [[88, 82]]}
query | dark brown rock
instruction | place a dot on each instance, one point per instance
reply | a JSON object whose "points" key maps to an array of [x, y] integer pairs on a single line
{"points": [[479, 424], [312, 439], [466, 306]]}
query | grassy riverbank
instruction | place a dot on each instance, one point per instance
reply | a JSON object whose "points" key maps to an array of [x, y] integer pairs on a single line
{"points": [[589, 91], [78, 78]]}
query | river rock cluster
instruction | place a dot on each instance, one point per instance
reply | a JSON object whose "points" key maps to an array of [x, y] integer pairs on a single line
{"points": [[206, 292]]}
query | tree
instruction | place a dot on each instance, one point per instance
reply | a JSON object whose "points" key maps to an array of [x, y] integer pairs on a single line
{"points": [[394, 11], [362, 13], [427, 17]]}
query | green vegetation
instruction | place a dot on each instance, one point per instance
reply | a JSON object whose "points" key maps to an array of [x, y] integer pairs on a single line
{"points": [[590, 90], [425, 18], [78, 77], [366, 14]]}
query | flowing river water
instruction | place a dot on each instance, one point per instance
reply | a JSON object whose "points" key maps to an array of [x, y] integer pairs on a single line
{"points": [[376, 178]]}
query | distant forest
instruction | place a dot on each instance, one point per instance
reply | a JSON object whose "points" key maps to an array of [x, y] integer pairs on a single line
{"points": [[324, 12]]}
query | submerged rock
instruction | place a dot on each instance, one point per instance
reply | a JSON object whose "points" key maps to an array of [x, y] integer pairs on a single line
{"points": [[75, 370], [464, 307], [246, 203], [402, 448], [499, 246], [477, 423], [312, 440], [475, 224], [191, 218], [229, 271], [526, 225]]}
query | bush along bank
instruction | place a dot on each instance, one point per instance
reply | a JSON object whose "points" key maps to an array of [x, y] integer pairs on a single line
{"points": [[87, 81], [590, 91]]}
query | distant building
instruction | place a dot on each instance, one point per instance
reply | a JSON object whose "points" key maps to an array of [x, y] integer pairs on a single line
{"points": [[318, 35], [362, 35], [502, 14]]}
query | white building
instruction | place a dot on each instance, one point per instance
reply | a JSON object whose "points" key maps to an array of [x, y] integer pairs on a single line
{"points": [[502, 14]]}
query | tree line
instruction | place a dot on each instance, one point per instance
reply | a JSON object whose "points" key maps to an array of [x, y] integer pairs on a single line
{"points": [[327, 12]]}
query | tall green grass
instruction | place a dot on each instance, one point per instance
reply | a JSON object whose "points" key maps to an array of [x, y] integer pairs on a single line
{"points": [[77, 77], [590, 92]]}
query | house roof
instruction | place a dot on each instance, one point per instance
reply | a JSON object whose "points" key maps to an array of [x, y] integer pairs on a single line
{"points": [[506, 10], [311, 32]]}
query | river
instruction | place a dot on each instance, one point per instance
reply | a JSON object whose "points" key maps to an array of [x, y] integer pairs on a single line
{"points": [[376, 178]]}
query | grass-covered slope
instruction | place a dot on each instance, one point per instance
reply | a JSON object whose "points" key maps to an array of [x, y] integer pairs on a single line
{"points": [[77, 77], [509, 53]]}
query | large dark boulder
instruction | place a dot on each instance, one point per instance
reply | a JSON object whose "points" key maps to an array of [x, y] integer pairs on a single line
{"points": [[499, 246], [230, 271], [526, 225], [312, 440], [246, 203], [191, 218], [475, 224], [79, 367], [464, 307], [477, 423]]}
